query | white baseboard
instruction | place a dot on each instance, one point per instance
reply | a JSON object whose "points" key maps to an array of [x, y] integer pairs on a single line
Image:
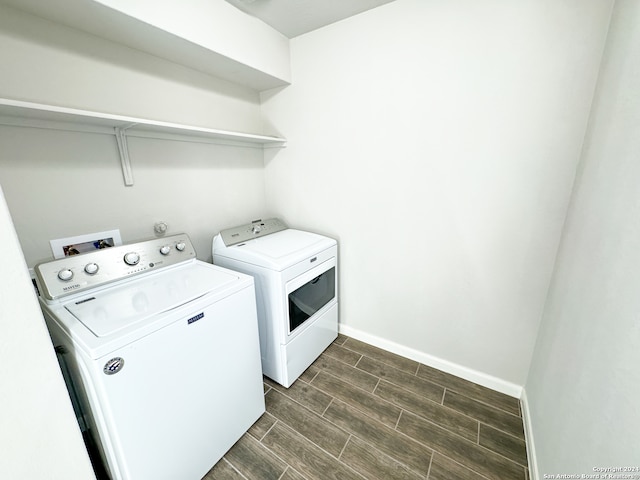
{"points": [[528, 435], [475, 376]]}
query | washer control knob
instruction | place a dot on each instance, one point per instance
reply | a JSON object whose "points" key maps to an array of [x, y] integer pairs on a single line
{"points": [[180, 246], [91, 268], [256, 229], [131, 258], [65, 274], [165, 249]]}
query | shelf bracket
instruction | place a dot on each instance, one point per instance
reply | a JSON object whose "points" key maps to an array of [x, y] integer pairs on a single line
{"points": [[123, 149]]}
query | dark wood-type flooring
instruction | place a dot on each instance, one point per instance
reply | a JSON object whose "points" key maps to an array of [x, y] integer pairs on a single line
{"points": [[362, 412]]}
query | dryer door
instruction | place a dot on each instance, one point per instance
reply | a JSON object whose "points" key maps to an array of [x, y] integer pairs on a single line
{"points": [[310, 293]]}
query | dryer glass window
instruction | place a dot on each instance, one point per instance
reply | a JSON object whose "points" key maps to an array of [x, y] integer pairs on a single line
{"points": [[311, 297]]}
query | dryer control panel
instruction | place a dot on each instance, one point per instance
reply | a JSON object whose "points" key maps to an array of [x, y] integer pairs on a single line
{"points": [[257, 228], [77, 273]]}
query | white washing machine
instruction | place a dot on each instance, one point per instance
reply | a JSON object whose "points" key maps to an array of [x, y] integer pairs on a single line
{"points": [[161, 354], [296, 278]]}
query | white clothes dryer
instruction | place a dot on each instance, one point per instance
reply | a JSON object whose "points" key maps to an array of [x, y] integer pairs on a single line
{"points": [[296, 280], [161, 354]]}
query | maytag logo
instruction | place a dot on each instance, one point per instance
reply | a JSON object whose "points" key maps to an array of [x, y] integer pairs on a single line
{"points": [[195, 319], [71, 287], [113, 366]]}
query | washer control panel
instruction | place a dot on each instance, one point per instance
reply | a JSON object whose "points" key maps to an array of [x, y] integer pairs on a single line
{"points": [[257, 228], [76, 273]]}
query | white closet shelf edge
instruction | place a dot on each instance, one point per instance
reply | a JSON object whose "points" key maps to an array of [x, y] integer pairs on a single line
{"points": [[20, 113]]}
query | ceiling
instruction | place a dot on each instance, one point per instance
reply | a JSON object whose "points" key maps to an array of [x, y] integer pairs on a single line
{"points": [[295, 17]]}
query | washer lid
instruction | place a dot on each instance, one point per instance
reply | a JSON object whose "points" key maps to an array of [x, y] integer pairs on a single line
{"points": [[109, 311], [279, 250]]}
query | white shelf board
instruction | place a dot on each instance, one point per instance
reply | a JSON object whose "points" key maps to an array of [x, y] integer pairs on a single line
{"points": [[28, 114], [98, 19]]}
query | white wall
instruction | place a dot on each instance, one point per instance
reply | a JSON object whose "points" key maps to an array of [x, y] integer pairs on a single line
{"points": [[39, 437], [584, 384], [438, 142], [59, 184]]}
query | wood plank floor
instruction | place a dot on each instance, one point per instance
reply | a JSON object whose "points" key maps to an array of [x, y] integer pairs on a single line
{"points": [[361, 412]]}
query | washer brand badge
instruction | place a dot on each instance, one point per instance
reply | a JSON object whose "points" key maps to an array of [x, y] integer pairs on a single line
{"points": [[195, 319], [70, 287], [113, 366]]}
